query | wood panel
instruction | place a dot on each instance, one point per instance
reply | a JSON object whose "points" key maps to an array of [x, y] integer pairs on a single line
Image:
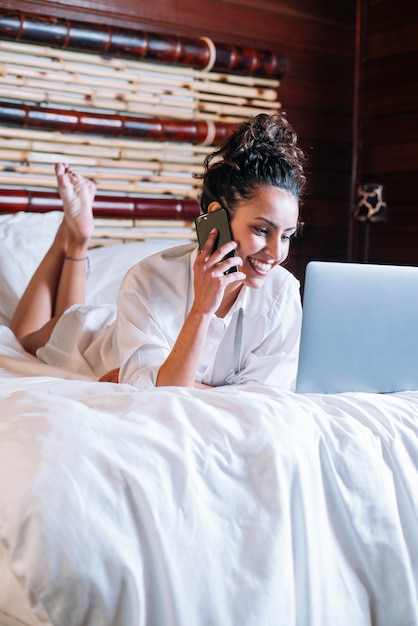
{"points": [[387, 98], [390, 126], [403, 128]]}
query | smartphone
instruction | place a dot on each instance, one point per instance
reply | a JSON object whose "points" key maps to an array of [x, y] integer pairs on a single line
{"points": [[215, 219]]}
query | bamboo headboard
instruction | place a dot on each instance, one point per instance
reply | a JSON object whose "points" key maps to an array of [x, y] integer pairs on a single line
{"points": [[135, 111]]}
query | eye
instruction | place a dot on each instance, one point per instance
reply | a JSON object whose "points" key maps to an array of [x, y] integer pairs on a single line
{"points": [[261, 231], [288, 238]]}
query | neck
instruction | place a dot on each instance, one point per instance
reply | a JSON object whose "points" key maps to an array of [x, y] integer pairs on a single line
{"points": [[228, 300]]}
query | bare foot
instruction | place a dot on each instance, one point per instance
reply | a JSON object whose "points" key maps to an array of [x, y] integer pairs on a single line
{"points": [[77, 195]]}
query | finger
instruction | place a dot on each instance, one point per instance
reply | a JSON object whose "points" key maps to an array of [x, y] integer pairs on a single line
{"points": [[224, 251], [59, 168], [234, 277], [210, 242], [204, 254], [230, 261]]}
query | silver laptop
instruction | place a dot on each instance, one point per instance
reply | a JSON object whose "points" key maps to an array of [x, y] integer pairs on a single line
{"points": [[359, 329]]}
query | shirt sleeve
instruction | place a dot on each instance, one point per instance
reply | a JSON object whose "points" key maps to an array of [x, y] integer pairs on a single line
{"points": [[142, 344], [142, 348], [152, 304]]}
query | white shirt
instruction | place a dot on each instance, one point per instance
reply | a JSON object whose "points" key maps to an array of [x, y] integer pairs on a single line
{"points": [[256, 342]]}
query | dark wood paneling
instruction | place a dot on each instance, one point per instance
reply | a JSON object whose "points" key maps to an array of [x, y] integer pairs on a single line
{"points": [[319, 68], [401, 157], [390, 126], [387, 99], [387, 14], [328, 99], [401, 189], [393, 42], [392, 71], [382, 244], [314, 125], [319, 10], [400, 128]]}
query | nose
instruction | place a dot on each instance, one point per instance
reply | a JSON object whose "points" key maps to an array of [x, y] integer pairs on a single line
{"points": [[277, 248]]}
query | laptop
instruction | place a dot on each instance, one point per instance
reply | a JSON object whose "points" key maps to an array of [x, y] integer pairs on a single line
{"points": [[359, 329]]}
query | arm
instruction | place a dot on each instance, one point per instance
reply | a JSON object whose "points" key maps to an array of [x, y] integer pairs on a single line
{"points": [[210, 282], [163, 303]]}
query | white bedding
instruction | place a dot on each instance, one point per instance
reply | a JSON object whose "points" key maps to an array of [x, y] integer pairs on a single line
{"points": [[224, 507]]}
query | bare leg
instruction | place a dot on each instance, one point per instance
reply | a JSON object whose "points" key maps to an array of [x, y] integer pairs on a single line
{"points": [[60, 279]]}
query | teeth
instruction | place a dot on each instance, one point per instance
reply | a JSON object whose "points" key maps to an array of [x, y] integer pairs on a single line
{"points": [[263, 267]]}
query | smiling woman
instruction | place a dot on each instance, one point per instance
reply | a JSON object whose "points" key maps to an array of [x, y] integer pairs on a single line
{"points": [[182, 318]]}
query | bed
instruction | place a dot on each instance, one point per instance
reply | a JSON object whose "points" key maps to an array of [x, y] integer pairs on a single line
{"points": [[235, 506], [252, 506]]}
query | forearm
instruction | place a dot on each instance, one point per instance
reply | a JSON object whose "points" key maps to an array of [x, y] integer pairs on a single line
{"points": [[181, 365]]}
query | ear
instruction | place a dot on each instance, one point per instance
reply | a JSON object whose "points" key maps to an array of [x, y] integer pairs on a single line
{"points": [[214, 206]]}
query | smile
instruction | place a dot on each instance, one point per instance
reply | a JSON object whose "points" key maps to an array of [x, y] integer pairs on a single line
{"points": [[260, 266]]}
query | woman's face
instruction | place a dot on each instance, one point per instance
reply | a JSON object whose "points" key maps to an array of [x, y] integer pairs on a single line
{"points": [[262, 227]]}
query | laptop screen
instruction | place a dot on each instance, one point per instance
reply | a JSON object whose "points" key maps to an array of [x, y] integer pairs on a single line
{"points": [[359, 329]]}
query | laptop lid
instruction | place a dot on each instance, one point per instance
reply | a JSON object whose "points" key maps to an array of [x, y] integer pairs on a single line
{"points": [[359, 328]]}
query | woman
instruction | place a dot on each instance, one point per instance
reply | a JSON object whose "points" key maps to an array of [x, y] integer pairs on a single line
{"points": [[182, 320]]}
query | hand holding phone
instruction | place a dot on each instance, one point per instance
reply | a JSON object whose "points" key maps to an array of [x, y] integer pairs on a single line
{"points": [[215, 219]]}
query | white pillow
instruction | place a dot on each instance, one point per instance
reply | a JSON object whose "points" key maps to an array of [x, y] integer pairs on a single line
{"points": [[109, 264], [24, 240]]}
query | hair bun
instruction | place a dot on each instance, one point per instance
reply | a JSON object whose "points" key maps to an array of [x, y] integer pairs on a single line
{"points": [[261, 151]]}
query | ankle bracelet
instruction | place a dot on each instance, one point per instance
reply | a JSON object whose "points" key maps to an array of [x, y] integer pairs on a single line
{"points": [[75, 258]]}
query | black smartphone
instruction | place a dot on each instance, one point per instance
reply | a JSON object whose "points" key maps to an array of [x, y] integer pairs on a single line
{"points": [[215, 219]]}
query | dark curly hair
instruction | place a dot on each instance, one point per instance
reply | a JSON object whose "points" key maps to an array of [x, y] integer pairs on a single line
{"points": [[262, 151]]}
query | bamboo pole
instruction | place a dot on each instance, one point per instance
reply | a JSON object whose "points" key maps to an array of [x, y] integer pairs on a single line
{"points": [[141, 235], [191, 100], [154, 162], [158, 95], [130, 82], [108, 222], [89, 81], [153, 148], [129, 43], [130, 210], [49, 182], [72, 60], [126, 159], [103, 177], [153, 108], [118, 159]]}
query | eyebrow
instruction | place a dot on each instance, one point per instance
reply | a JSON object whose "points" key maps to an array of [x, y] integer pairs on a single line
{"points": [[273, 225]]}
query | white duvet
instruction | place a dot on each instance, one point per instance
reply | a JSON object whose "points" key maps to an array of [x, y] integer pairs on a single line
{"points": [[226, 507], [180, 507]]}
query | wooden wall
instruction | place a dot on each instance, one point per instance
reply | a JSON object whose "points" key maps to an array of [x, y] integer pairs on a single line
{"points": [[318, 39], [389, 151]]}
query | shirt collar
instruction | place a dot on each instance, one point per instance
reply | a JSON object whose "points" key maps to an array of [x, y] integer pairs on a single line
{"points": [[240, 302]]}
